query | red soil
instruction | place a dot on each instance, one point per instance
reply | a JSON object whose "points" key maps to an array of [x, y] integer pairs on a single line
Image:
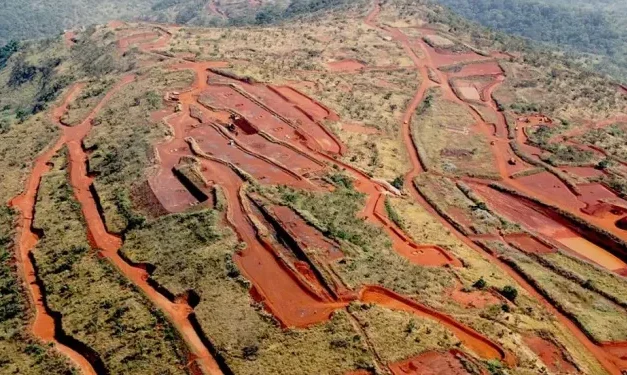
{"points": [[115, 24], [345, 66], [283, 116], [528, 243], [531, 216], [125, 43], [547, 185], [476, 299], [585, 172], [478, 69], [315, 110], [430, 363], [68, 38], [593, 193], [473, 340], [442, 58], [551, 355], [608, 361]]}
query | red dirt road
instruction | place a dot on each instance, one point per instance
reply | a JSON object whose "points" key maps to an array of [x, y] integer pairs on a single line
{"points": [[608, 361]]}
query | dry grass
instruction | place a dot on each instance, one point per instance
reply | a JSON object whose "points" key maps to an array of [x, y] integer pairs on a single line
{"points": [[598, 317], [98, 306], [124, 140], [194, 252], [609, 283], [443, 193], [18, 149], [88, 98], [19, 352], [566, 94], [441, 130], [398, 335], [612, 139]]}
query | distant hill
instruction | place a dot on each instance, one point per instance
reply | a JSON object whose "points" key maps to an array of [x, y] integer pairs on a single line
{"points": [[598, 27], [29, 19]]}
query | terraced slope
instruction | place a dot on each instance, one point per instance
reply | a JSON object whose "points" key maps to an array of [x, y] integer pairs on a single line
{"points": [[374, 196]]}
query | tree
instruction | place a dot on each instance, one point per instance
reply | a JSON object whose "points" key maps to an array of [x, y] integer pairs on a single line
{"points": [[509, 292]]}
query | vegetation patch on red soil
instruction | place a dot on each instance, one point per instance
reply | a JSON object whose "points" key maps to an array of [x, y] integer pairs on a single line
{"points": [[489, 68], [476, 299], [585, 172], [478, 343]]}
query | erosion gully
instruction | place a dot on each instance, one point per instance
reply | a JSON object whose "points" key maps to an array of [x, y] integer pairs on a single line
{"points": [[611, 356]]}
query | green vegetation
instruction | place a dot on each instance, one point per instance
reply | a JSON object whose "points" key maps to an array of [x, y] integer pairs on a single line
{"points": [[590, 276], [612, 139], [599, 317], [123, 152], [398, 335], [441, 132], [452, 202], [19, 352], [597, 28], [509, 292], [369, 257], [7, 51], [195, 251], [99, 307]]}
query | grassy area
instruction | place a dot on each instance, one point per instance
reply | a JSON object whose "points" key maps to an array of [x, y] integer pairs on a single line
{"points": [[19, 352], [86, 100], [593, 276], [559, 92], [375, 99], [123, 152], [240, 329], [99, 307], [600, 318], [612, 139], [398, 335], [18, 149], [448, 198], [441, 130], [369, 256]]}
